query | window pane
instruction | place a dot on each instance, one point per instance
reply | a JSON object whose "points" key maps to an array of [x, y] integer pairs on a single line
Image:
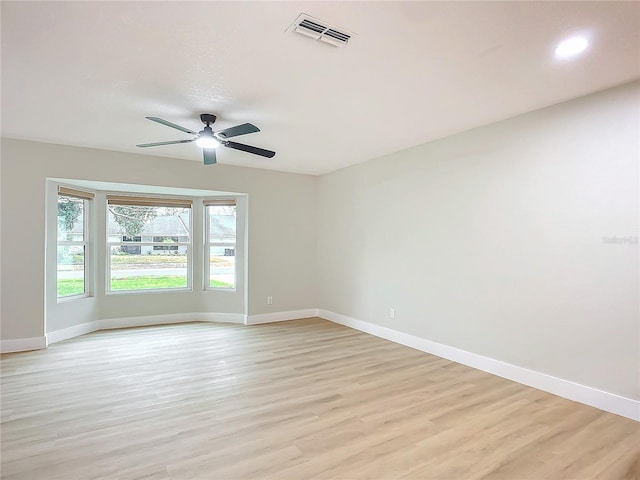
{"points": [[135, 223], [70, 270], [147, 269], [222, 267], [222, 224], [70, 219]]}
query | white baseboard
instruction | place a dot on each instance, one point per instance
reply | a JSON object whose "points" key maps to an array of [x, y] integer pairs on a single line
{"points": [[23, 344], [55, 336], [222, 317], [593, 397], [126, 322], [281, 316], [71, 332], [111, 323], [147, 320]]}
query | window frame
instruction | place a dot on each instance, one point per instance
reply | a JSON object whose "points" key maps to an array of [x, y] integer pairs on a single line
{"points": [[86, 198], [207, 244], [154, 201]]}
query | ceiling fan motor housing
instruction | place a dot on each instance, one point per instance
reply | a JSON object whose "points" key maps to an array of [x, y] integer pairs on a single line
{"points": [[208, 118]]}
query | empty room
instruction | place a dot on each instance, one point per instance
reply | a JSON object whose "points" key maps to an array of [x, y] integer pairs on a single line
{"points": [[320, 240]]}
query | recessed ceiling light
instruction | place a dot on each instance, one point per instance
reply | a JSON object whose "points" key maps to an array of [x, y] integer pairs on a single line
{"points": [[571, 47]]}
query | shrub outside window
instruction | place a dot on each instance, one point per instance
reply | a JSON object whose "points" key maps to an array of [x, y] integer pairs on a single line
{"points": [[148, 244]]}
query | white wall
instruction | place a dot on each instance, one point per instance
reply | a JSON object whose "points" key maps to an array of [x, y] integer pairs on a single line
{"points": [[281, 239], [491, 241]]}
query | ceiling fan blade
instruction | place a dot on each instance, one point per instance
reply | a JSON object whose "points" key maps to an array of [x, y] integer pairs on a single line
{"points": [[172, 142], [248, 148], [172, 125], [238, 130], [209, 156]]}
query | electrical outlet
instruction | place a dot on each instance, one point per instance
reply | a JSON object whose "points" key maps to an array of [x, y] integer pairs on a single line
{"points": [[392, 313], [269, 300]]}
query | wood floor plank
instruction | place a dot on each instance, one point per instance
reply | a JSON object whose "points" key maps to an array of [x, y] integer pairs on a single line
{"points": [[304, 399]]}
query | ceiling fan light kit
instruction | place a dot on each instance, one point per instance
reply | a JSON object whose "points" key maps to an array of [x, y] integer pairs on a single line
{"points": [[209, 140]]}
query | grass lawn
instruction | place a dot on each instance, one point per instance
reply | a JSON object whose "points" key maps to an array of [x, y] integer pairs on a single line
{"points": [[124, 262], [147, 259], [70, 287], [76, 286], [153, 259]]}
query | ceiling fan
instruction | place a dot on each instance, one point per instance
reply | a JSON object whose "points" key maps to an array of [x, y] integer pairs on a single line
{"points": [[209, 140]]}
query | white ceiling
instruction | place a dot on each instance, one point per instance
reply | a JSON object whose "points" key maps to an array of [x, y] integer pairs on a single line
{"points": [[87, 73]]}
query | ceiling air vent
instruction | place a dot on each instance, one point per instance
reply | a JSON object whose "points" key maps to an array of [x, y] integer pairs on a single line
{"points": [[321, 31]]}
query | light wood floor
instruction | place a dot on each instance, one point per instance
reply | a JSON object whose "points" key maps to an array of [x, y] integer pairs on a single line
{"points": [[305, 399]]}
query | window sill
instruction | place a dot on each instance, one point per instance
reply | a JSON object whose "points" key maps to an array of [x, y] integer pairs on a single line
{"points": [[72, 298], [221, 290]]}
